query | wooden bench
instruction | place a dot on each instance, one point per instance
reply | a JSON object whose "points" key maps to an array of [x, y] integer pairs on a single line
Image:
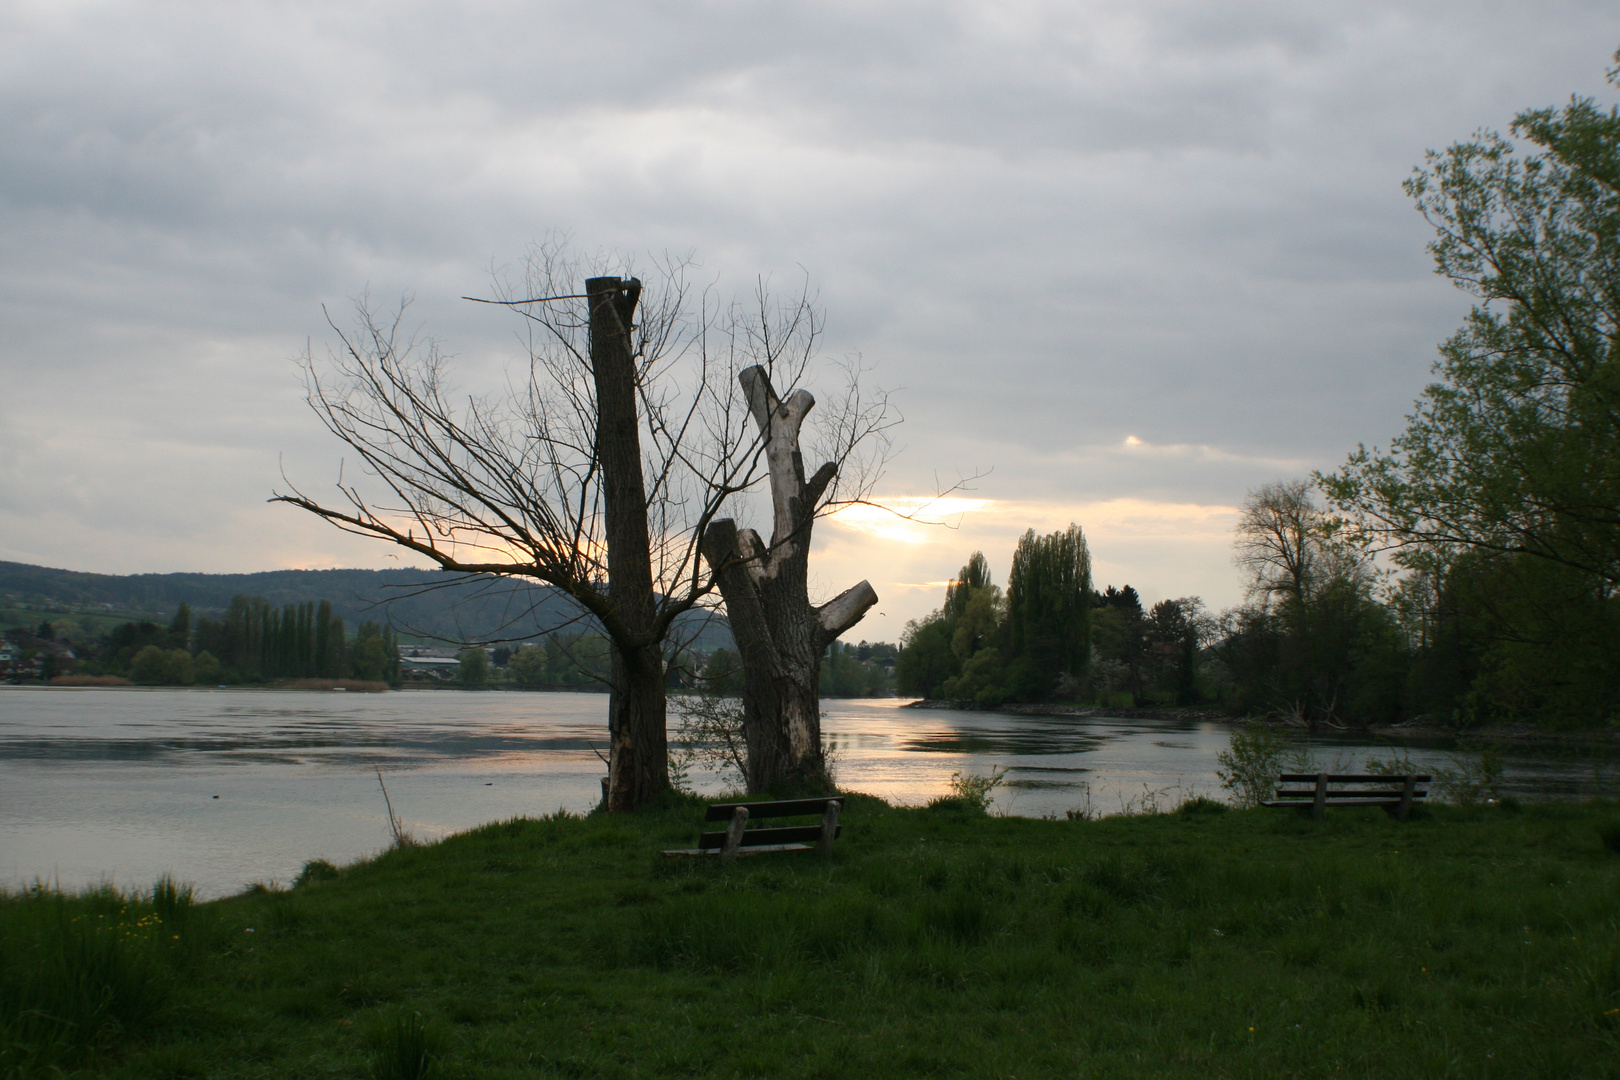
{"points": [[1395, 795], [739, 839]]}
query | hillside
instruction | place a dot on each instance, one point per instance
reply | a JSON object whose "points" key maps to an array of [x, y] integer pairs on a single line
{"points": [[418, 603]]}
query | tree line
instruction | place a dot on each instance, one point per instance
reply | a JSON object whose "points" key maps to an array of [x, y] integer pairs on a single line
{"points": [[1051, 637], [251, 642], [1467, 572]]}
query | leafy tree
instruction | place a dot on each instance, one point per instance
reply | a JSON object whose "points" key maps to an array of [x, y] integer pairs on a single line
{"points": [[1315, 641], [156, 666], [1176, 631], [128, 639], [933, 650], [372, 655], [528, 665], [844, 674], [1502, 496], [926, 660], [473, 666], [1049, 603], [1515, 450], [1119, 641], [206, 669], [180, 628]]}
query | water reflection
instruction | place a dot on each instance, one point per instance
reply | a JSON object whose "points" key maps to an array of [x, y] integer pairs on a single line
{"points": [[228, 787]]}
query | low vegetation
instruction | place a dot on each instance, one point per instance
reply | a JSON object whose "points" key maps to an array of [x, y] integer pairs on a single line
{"points": [[1476, 941]]}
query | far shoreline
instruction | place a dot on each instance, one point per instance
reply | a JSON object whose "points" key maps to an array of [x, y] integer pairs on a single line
{"points": [[1416, 730]]}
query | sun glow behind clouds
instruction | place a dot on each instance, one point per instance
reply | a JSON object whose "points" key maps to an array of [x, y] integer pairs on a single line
{"points": [[909, 547], [906, 519]]}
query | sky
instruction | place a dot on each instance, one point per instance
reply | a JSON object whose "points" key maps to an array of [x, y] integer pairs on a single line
{"points": [[1121, 262]]}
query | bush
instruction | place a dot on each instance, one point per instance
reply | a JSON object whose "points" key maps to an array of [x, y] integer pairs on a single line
{"points": [[974, 791], [206, 669], [1249, 765], [153, 666]]}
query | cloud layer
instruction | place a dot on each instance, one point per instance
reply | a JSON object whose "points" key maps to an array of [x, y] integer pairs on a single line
{"points": [[1132, 258]]}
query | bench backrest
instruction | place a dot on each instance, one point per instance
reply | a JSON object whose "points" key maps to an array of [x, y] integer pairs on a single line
{"points": [[1348, 778], [779, 808]]}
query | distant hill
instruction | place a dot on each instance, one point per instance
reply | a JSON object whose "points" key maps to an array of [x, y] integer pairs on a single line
{"points": [[418, 603]]}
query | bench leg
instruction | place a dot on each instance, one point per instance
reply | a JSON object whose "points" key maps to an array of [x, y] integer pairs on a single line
{"points": [[1406, 796], [734, 833], [1320, 805], [829, 828]]}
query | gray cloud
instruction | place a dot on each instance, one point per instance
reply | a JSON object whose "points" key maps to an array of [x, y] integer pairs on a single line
{"points": [[1053, 225]]}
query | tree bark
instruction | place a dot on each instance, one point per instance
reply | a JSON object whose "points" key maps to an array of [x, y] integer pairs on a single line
{"points": [[638, 769], [780, 637]]}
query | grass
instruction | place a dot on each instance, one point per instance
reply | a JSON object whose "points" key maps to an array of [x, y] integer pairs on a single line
{"points": [[1476, 942]]}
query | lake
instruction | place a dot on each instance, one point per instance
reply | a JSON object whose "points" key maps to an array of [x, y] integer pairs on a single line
{"points": [[223, 788]]}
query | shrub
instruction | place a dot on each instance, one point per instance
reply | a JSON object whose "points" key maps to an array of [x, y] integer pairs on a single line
{"points": [[1249, 765], [974, 791]]}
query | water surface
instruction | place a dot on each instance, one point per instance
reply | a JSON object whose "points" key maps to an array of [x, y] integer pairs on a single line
{"points": [[227, 787]]}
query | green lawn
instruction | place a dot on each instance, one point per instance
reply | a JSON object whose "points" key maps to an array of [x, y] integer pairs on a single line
{"points": [[1473, 943]]}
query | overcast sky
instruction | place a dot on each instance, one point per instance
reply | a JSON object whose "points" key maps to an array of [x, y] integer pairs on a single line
{"points": [[1135, 258]]}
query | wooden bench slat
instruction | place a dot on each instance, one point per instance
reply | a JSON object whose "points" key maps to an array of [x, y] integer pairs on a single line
{"points": [[1305, 804], [777, 808], [1395, 795], [1347, 778], [792, 834], [1365, 793]]}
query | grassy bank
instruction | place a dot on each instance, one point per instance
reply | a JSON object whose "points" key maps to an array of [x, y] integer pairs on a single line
{"points": [[1481, 942]]}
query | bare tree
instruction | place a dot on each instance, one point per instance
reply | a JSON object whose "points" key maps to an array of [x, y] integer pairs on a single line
{"points": [[598, 472], [1279, 541], [779, 635]]}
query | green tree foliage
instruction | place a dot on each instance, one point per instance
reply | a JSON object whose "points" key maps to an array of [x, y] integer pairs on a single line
{"points": [[527, 667], [156, 666], [844, 674], [723, 674], [1516, 449], [472, 668], [252, 641], [1502, 496], [933, 650], [1119, 646], [1314, 641], [926, 659], [373, 655], [1175, 633], [180, 628], [206, 669], [1049, 603], [562, 661], [984, 648]]}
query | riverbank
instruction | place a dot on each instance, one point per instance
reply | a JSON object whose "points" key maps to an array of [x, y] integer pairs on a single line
{"points": [[1060, 709], [1604, 739], [1472, 942]]}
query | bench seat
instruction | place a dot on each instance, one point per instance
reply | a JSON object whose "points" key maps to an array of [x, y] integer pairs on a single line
{"points": [[738, 839], [1394, 794]]}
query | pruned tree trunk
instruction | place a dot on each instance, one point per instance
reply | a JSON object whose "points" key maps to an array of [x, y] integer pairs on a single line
{"points": [[780, 637], [638, 768]]}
